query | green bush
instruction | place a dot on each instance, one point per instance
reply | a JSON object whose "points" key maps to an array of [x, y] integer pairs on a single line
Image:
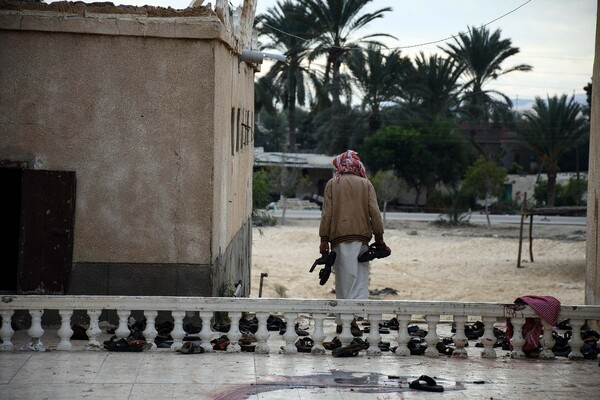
{"points": [[570, 194], [261, 189], [263, 218], [453, 206]]}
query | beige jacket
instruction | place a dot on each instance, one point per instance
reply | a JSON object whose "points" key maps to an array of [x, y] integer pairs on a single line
{"points": [[350, 211]]}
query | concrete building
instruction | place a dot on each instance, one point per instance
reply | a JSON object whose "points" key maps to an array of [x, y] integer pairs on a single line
{"points": [[126, 148]]}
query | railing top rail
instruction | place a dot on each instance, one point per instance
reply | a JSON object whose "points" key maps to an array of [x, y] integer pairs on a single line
{"points": [[278, 305]]}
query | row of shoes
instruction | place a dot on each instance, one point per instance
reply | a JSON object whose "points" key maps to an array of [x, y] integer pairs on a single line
{"points": [[125, 345], [589, 349]]}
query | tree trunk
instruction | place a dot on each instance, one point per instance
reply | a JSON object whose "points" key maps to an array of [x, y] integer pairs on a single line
{"points": [[551, 188], [487, 210], [283, 209], [384, 212], [336, 84], [417, 197], [292, 121]]}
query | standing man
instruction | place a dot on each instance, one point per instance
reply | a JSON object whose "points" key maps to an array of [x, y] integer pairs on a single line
{"points": [[350, 217]]}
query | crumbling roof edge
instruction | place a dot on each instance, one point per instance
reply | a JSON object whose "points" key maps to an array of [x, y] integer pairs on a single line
{"points": [[198, 27]]}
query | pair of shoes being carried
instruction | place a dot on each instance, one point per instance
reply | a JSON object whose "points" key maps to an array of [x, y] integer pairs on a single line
{"points": [[327, 258], [375, 250], [426, 383]]}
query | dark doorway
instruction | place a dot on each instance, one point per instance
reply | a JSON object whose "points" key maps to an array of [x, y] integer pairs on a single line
{"points": [[10, 215], [40, 207]]}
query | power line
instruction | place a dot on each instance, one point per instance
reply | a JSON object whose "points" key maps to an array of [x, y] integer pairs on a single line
{"points": [[414, 45], [460, 33]]}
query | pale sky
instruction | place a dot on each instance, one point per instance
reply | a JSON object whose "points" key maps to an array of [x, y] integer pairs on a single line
{"points": [[556, 37]]}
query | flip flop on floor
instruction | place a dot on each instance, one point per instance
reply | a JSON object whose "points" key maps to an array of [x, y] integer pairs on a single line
{"points": [[426, 384]]}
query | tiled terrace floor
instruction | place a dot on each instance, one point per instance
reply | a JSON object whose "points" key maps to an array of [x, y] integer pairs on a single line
{"points": [[167, 375]]}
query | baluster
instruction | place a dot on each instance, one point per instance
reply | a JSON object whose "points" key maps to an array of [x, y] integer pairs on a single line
{"points": [[262, 334], [488, 339], [374, 337], [517, 341], [122, 330], [460, 339], [403, 337], [65, 332], [576, 342], [93, 331], [318, 334], [547, 342], [36, 331], [177, 333], [290, 336], [234, 335], [6, 332], [346, 335], [432, 338], [206, 333], [150, 332]]}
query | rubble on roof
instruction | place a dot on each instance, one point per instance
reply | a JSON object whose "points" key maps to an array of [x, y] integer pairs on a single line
{"points": [[80, 7]]}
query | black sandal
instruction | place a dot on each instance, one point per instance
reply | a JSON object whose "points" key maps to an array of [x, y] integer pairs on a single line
{"points": [[425, 383]]}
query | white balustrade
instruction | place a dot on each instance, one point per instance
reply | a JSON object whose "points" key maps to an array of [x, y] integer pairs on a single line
{"points": [[6, 331], [488, 339], [65, 332], [150, 332], [403, 337], [460, 339], [576, 342], [547, 342], [177, 333], [94, 331], [432, 338], [290, 309], [374, 337], [318, 335]]}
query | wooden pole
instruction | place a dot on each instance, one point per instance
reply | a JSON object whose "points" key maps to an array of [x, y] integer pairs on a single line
{"points": [[521, 230], [531, 237]]}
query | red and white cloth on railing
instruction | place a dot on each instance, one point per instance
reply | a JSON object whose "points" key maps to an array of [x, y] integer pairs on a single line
{"points": [[547, 307]]}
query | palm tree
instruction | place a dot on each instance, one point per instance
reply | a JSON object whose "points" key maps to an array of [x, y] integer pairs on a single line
{"points": [[286, 82], [378, 77], [482, 54], [433, 89], [336, 24], [551, 128]]}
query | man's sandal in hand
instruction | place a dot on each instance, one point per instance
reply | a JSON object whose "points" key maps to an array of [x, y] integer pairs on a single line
{"points": [[375, 251], [327, 258]]}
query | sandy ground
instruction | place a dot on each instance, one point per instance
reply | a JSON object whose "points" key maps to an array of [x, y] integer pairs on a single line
{"points": [[430, 262]]}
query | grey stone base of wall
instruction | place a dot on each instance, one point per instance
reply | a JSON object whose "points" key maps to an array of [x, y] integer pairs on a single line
{"points": [[233, 265], [140, 279]]}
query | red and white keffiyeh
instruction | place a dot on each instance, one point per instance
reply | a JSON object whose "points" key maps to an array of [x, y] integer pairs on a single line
{"points": [[547, 307], [348, 162]]}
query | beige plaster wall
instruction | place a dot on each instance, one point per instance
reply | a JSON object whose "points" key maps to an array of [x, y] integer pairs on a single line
{"points": [[592, 281], [138, 119], [234, 155]]}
